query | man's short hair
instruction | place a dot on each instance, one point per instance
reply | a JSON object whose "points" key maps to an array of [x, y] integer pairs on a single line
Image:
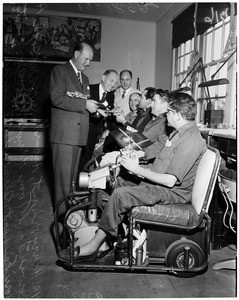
{"points": [[184, 104], [130, 73], [163, 94], [151, 91], [107, 72], [78, 47], [135, 93]]}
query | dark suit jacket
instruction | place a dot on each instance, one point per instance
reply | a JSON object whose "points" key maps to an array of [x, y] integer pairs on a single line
{"points": [[69, 117], [96, 124], [95, 91]]}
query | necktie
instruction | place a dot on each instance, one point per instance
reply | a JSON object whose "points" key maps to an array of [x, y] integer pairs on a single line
{"points": [[103, 97], [123, 95], [79, 77]]}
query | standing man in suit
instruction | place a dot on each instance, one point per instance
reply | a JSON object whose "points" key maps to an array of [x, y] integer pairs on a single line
{"points": [[102, 92], [124, 91], [69, 91]]}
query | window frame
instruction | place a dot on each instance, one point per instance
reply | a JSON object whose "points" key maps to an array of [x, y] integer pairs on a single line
{"points": [[210, 66]]}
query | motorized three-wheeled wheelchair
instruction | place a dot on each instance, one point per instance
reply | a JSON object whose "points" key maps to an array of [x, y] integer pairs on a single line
{"points": [[172, 238]]}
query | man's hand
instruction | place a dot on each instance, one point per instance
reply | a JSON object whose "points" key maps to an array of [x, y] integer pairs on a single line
{"points": [[91, 105], [109, 158], [131, 164], [102, 113], [118, 111], [140, 153], [77, 95], [120, 119]]}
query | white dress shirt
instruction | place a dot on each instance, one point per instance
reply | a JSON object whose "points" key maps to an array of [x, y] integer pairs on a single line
{"points": [[101, 91], [123, 103], [76, 70]]}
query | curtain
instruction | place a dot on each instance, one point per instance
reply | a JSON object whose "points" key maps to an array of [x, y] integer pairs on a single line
{"points": [[208, 14]]}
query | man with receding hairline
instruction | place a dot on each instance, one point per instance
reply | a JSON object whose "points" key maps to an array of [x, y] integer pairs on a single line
{"points": [[102, 92], [70, 109]]}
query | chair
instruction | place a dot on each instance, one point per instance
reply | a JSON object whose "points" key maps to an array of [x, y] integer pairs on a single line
{"points": [[180, 233]]}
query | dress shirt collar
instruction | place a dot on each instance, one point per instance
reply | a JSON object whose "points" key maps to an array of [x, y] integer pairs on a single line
{"points": [[185, 128], [160, 116], [101, 90], [73, 66], [126, 91]]}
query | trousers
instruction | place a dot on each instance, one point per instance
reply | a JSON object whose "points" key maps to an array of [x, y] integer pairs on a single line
{"points": [[124, 198], [65, 159]]}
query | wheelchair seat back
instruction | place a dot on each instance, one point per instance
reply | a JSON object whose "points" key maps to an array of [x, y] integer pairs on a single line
{"points": [[205, 180], [180, 214]]}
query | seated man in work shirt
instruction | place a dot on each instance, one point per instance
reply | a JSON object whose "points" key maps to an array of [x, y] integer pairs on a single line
{"points": [[170, 179]]}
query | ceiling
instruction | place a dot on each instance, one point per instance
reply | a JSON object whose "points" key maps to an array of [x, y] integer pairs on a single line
{"points": [[142, 11]]}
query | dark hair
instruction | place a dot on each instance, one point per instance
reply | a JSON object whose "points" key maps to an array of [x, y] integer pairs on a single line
{"points": [[80, 47], [163, 94], [184, 104], [150, 92], [130, 73], [107, 72]]}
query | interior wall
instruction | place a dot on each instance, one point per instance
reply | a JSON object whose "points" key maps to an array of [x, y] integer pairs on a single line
{"points": [[127, 45], [163, 71], [124, 44]]}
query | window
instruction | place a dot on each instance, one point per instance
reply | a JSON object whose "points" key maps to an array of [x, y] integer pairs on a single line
{"points": [[211, 45]]}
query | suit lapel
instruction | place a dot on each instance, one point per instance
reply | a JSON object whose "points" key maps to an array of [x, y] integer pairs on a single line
{"points": [[110, 99], [73, 77], [95, 92], [85, 84]]}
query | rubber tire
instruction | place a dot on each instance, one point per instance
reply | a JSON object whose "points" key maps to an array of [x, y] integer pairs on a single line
{"points": [[175, 254]]}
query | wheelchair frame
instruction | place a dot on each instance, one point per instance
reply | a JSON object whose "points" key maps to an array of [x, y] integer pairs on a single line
{"points": [[186, 244]]}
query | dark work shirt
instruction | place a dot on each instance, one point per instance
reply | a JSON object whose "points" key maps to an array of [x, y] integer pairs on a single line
{"points": [[142, 119], [180, 157]]}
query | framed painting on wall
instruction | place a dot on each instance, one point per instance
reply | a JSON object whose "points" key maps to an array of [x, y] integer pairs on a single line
{"points": [[49, 37]]}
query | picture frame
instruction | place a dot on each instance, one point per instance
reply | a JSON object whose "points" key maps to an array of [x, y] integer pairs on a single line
{"points": [[49, 37]]}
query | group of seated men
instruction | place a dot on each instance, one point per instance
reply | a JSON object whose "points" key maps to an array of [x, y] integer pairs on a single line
{"points": [[151, 122], [170, 178]]}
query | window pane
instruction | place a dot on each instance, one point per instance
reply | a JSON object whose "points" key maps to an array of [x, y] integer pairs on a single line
{"points": [[227, 29], [187, 61], [181, 65], [218, 104], [180, 50], [188, 44], [207, 59], [223, 72], [192, 44], [212, 70], [212, 91], [222, 89], [217, 44]]}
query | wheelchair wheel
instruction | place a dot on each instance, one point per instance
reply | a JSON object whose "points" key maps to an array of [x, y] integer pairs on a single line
{"points": [[93, 163], [175, 254]]}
